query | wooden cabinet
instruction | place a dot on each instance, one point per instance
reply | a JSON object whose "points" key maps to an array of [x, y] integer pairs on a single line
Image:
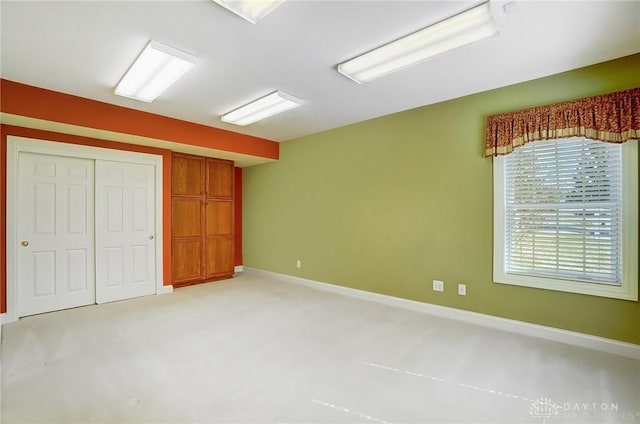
{"points": [[201, 219]]}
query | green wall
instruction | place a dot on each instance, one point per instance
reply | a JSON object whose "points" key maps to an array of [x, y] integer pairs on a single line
{"points": [[390, 204]]}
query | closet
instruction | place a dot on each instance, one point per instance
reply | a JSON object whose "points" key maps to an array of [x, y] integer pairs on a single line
{"points": [[201, 219], [85, 225]]}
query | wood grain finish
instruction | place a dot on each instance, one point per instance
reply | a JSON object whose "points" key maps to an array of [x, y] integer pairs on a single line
{"points": [[187, 176], [203, 221], [219, 178], [219, 256], [187, 218], [187, 260], [219, 218]]}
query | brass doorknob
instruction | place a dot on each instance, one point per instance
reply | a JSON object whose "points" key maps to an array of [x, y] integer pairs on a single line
{"points": [[24, 243], [151, 237]]}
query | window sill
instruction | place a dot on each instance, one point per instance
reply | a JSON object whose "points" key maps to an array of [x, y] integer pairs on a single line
{"points": [[627, 291]]}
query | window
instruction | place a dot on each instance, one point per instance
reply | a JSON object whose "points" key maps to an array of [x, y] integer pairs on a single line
{"points": [[566, 217]]}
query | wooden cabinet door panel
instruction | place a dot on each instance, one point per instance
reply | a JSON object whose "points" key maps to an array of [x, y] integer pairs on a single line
{"points": [[219, 256], [186, 217], [186, 175], [186, 260], [219, 178], [219, 218], [202, 219]]}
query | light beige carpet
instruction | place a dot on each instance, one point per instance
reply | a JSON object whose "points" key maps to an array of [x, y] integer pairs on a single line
{"points": [[256, 350]]}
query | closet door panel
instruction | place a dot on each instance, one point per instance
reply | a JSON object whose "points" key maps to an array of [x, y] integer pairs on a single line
{"points": [[186, 175], [186, 217], [55, 224], [219, 256], [219, 217], [186, 260], [202, 219], [219, 178], [125, 227]]}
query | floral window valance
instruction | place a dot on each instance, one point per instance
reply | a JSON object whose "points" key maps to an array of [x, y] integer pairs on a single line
{"points": [[613, 117]]}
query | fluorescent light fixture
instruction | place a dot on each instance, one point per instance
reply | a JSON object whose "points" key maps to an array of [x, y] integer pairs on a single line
{"points": [[464, 28], [251, 10], [262, 108], [155, 69]]}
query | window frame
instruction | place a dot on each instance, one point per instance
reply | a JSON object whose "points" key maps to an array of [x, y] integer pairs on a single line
{"points": [[628, 289]]}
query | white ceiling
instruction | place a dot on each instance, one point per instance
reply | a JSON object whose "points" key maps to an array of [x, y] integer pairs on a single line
{"points": [[84, 48]]}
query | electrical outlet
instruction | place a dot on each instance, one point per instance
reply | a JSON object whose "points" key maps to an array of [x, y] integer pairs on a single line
{"points": [[298, 263], [462, 289], [438, 285]]}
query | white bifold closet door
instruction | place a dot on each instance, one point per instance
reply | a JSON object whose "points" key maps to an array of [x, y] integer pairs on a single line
{"points": [[86, 232]]}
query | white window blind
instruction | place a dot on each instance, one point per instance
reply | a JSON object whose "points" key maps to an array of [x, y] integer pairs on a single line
{"points": [[563, 211]]}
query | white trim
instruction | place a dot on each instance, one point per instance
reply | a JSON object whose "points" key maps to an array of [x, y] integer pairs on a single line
{"points": [[3, 319], [602, 344], [165, 290], [237, 268], [15, 145], [630, 216], [628, 289]]}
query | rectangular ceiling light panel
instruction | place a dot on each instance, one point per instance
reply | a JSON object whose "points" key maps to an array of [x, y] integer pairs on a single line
{"points": [[155, 69], [468, 27], [251, 10], [262, 108]]}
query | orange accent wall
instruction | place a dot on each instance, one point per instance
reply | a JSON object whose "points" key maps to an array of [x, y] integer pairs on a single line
{"points": [[237, 223], [35, 102], [6, 130]]}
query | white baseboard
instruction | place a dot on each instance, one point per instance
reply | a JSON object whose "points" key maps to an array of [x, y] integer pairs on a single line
{"points": [[165, 290], [615, 347], [238, 268]]}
